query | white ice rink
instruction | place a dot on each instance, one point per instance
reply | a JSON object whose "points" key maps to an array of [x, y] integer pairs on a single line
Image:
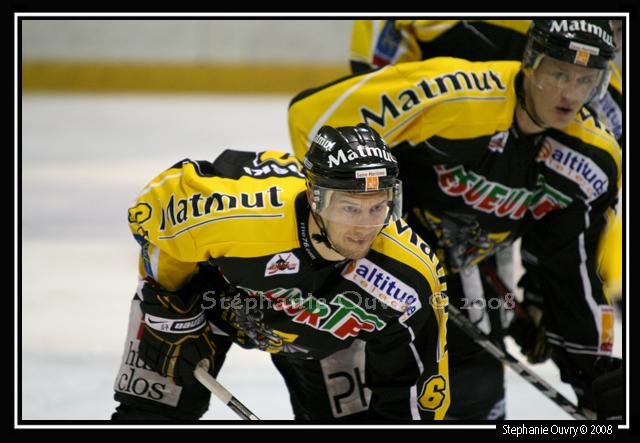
{"points": [[84, 159]]}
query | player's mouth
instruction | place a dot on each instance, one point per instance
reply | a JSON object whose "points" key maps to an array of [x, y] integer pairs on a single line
{"points": [[564, 111], [360, 241]]}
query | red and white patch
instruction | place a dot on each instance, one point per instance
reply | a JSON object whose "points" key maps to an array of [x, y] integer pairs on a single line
{"points": [[498, 141], [283, 263]]}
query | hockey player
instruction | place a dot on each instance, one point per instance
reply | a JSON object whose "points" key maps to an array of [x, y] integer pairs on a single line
{"points": [[312, 264], [494, 151], [377, 43]]}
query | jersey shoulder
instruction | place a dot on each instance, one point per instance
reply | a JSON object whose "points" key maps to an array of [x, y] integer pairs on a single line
{"points": [[402, 245], [591, 138], [200, 208]]}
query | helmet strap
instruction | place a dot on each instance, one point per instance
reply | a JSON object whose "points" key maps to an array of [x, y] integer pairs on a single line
{"points": [[323, 237], [523, 104]]}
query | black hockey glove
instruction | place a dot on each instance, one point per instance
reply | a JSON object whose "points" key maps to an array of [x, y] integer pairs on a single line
{"points": [[176, 334], [608, 392], [528, 329], [601, 392]]}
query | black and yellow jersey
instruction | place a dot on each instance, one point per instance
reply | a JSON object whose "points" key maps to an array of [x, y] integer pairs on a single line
{"points": [[247, 214], [377, 43], [475, 183]]}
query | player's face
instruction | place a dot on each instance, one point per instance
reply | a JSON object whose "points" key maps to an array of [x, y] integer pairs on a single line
{"points": [[353, 221], [559, 89]]}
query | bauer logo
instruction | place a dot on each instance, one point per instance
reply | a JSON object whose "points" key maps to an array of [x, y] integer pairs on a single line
{"points": [[578, 168], [284, 263], [182, 326], [383, 286]]}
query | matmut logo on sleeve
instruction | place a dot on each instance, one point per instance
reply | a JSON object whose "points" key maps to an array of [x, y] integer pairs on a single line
{"points": [[383, 286], [577, 167]]}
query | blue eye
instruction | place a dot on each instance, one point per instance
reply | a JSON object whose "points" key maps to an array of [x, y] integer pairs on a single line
{"points": [[560, 76], [585, 80], [351, 209]]}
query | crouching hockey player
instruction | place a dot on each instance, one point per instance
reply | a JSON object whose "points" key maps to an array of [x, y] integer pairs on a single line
{"points": [[311, 264]]}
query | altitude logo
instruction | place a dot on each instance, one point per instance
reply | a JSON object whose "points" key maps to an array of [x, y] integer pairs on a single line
{"points": [[383, 286], [578, 168]]}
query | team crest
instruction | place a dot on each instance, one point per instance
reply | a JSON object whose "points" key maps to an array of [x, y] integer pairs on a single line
{"points": [[499, 141], [284, 263]]}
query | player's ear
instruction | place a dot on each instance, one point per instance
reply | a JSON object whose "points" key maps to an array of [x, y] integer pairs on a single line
{"points": [[309, 195]]}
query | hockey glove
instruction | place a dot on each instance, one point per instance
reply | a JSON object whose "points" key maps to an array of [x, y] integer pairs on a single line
{"points": [[600, 392], [608, 392], [528, 329], [176, 334]]}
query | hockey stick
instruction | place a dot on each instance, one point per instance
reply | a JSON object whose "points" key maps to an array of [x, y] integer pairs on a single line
{"points": [[221, 392], [488, 345]]}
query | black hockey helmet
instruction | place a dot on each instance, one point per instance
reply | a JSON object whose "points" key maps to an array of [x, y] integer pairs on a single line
{"points": [[350, 158], [588, 43]]}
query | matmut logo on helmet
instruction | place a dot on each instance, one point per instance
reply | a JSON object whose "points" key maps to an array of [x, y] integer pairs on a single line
{"points": [[582, 26], [357, 152], [351, 158], [582, 42]]}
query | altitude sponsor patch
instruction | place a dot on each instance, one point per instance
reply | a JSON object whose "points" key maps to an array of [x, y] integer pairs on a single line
{"points": [[383, 286], [579, 168]]}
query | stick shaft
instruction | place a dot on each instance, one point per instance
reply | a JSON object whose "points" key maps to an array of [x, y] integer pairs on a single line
{"points": [[223, 394], [487, 344]]}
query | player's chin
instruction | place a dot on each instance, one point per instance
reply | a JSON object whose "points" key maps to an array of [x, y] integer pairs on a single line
{"points": [[355, 251], [560, 118]]}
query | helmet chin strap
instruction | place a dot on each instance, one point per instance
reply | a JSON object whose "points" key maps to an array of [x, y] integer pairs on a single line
{"points": [[523, 104], [323, 237]]}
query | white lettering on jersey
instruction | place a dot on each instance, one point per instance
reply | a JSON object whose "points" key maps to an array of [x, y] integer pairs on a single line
{"points": [[575, 166]]}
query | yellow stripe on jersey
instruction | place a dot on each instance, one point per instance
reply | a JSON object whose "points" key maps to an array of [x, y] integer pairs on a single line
{"points": [[610, 256], [586, 130], [405, 247]]}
